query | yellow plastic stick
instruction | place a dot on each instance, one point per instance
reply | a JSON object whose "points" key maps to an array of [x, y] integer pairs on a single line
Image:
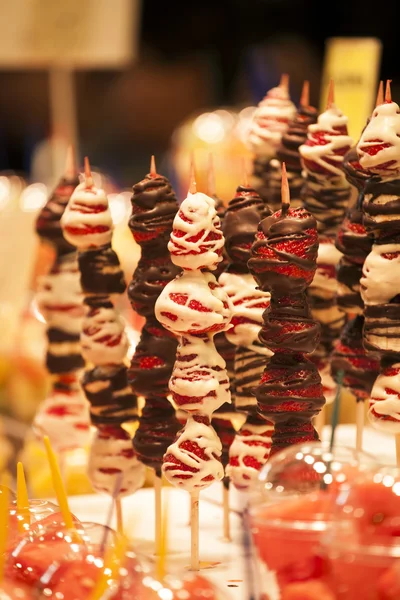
{"points": [[58, 485], [112, 562], [23, 513], [4, 520], [163, 544]]}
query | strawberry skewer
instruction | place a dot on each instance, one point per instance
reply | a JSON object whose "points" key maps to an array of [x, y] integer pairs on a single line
{"points": [[64, 414], [87, 224], [194, 307], [284, 262]]}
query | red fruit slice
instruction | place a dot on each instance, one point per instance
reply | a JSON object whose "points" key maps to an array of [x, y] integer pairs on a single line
{"points": [[150, 362]]}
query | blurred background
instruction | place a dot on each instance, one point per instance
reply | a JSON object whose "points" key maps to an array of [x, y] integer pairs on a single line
{"points": [[125, 79]]}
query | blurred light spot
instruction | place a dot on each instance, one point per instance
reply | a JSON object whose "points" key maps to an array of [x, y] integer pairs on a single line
{"points": [[209, 127], [396, 488], [165, 594], [4, 191], [388, 481], [320, 467], [33, 197], [119, 206], [309, 459]]}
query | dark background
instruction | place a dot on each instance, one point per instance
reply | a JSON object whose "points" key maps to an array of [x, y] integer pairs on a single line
{"points": [[194, 55]]}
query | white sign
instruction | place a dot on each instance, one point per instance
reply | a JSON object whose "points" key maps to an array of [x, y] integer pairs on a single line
{"points": [[68, 33]]}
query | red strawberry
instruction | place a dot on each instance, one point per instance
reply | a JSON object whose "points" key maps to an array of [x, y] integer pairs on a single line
{"points": [[150, 362]]}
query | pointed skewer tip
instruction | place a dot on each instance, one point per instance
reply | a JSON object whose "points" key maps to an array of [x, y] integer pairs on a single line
{"points": [[153, 170], [70, 163], [388, 92], [192, 179], [284, 82], [88, 173], [211, 187], [305, 94], [379, 96], [245, 179], [285, 193], [331, 95]]}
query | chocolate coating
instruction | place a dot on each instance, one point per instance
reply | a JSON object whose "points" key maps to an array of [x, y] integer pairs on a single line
{"points": [[354, 172], [327, 204], [101, 272], [288, 326], [153, 361], [349, 297], [154, 206], [249, 366], [240, 223], [382, 329], [352, 238], [63, 360], [378, 216], [294, 137], [48, 225], [290, 390], [288, 152], [227, 351], [260, 178], [111, 399], [157, 430], [149, 279], [289, 434], [275, 268], [360, 369]]}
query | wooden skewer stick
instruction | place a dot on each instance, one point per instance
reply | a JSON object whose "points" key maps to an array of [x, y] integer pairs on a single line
{"points": [[194, 526], [360, 419], [226, 512]]}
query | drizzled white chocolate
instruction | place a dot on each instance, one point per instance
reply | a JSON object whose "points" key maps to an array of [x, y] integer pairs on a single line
{"points": [[103, 337], [381, 275], [108, 458], [64, 418], [327, 156], [249, 303], [381, 137], [87, 221], [200, 376], [188, 470], [59, 296], [251, 447], [196, 240], [385, 401], [193, 303], [270, 121]]}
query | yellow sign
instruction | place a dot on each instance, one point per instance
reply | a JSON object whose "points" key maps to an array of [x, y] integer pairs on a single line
{"points": [[353, 64]]}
